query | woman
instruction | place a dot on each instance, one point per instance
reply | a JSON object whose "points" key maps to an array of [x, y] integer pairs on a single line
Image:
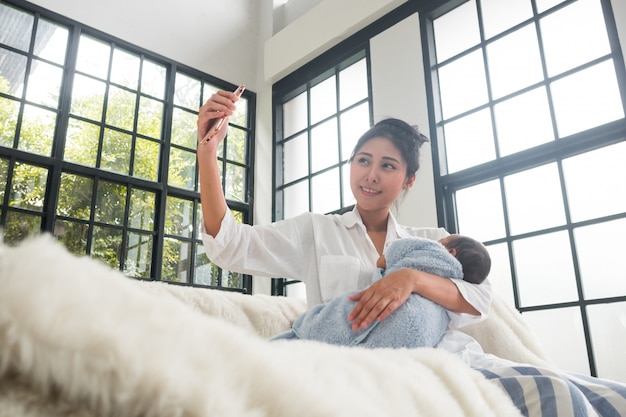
{"points": [[334, 254]]}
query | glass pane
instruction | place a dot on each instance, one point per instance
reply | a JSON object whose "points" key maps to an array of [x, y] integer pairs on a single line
{"points": [[500, 273], [236, 145], [141, 215], [182, 169], [17, 24], [232, 279], [207, 273], [595, 182], [565, 347], [296, 199], [348, 197], [176, 256], [295, 115], [514, 61], [479, 211], [125, 69], [146, 163], [87, 98], [12, 72], [184, 129], [324, 145], [462, 84], [566, 49], [44, 84], [106, 245], [37, 132], [51, 41], [81, 142], [325, 190], [187, 92], [116, 149], [587, 99], [235, 183], [543, 5], [601, 265], [4, 173], [93, 57], [534, 199], [240, 116], [469, 141], [353, 84], [153, 79], [19, 226], [608, 334], [110, 203], [28, 187], [138, 257], [150, 117], [75, 195], [545, 271], [179, 217], [121, 108], [323, 99], [512, 116], [353, 124], [73, 235], [499, 15], [9, 110], [295, 158], [456, 31]]}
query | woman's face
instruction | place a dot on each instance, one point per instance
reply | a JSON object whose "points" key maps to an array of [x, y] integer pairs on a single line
{"points": [[378, 174]]}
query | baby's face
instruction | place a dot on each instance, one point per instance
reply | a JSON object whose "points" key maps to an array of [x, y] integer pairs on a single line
{"points": [[445, 241]]}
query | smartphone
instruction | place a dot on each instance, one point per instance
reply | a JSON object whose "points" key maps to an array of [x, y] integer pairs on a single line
{"points": [[218, 124]]}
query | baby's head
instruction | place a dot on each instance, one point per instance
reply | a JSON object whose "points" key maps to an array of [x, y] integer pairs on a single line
{"points": [[472, 255]]}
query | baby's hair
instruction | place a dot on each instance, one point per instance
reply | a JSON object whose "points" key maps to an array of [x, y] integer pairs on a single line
{"points": [[473, 256]]}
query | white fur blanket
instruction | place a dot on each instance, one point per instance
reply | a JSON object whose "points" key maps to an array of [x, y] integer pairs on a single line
{"points": [[78, 339]]}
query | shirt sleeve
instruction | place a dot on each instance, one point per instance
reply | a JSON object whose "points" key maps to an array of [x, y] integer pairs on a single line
{"points": [[479, 296]]}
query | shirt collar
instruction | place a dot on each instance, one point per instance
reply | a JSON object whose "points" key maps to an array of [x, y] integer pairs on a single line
{"points": [[394, 231]]}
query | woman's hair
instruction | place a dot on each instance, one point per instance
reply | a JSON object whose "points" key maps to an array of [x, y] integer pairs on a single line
{"points": [[473, 256], [406, 138]]}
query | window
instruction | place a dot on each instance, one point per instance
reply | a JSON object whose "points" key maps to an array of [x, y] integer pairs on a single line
{"points": [[97, 146], [530, 142]]}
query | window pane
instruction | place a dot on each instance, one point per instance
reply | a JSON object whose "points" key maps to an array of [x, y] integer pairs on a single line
{"points": [[4, 172], [545, 271], [543, 5], [87, 98], [116, 149], [110, 203], [236, 148], [534, 199], [500, 15], [138, 255], [232, 279], [456, 31], [121, 108], [182, 169], [607, 323], [347, 196], [17, 22], [153, 79], [19, 226], [514, 61], [9, 110], [28, 187], [106, 245], [566, 49], [295, 115], [75, 195], [595, 182], [601, 264], [179, 217], [587, 99], [324, 145], [125, 69], [73, 235], [184, 130], [325, 188], [187, 92], [81, 142], [93, 57], [323, 99], [240, 115], [207, 273], [296, 199], [469, 141], [37, 131], [479, 211], [44, 84], [150, 117], [146, 159], [500, 273], [512, 116], [353, 84], [51, 41], [12, 73], [353, 123], [462, 84], [565, 347], [141, 215], [176, 256], [235, 183]]}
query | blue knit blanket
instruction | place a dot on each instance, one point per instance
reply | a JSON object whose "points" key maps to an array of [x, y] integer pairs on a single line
{"points": [[419, 322]]}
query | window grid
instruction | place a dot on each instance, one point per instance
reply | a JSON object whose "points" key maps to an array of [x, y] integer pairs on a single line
{"points": [[110, 201]]}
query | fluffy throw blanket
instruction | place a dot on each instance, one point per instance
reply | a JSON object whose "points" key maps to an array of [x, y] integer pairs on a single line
{"points": [[419, 322], [78, 339]]}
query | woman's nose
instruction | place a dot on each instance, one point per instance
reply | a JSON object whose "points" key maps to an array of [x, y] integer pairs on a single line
{"points": [[372, 175]]}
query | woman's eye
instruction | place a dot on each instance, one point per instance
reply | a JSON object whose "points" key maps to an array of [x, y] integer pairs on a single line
{"points": [[389, 166], [363, 161]]}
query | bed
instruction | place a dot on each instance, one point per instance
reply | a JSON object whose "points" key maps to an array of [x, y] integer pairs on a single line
{"points": [[79, 339]]}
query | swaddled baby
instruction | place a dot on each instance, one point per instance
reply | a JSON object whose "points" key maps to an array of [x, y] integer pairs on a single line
{"points": [[418, 322]]}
